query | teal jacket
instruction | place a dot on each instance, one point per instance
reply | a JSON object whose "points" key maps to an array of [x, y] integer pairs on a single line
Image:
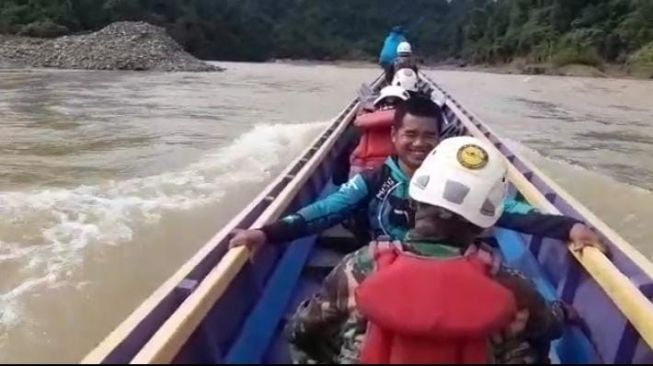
{"points": [[389, 50], [382, 196]]}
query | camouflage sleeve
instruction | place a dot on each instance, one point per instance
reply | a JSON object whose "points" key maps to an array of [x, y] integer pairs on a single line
{"points": [[315, 326], [546, 319]]}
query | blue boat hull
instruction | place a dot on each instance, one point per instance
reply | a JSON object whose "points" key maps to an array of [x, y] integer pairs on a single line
{"points": [[245, 324]]}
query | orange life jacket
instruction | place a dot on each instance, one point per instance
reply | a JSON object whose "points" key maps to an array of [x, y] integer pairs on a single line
{"points": [[375, 143], [426, 310]]}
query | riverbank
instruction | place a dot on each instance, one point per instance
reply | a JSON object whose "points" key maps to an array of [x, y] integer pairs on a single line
{"points": [[136, 46], [607, 71], [613, 71]]}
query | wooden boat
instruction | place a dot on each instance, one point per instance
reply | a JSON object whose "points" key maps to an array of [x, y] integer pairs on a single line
{"points": [[219, 307]]}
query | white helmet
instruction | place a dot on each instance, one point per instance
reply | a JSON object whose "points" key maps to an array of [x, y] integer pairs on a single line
{"points": [[392, 91], [463, 175], [404, 48], [405, 78]]}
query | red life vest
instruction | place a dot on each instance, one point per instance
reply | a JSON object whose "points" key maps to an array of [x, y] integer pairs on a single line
{"points": [[375, 144], [424, 310]]}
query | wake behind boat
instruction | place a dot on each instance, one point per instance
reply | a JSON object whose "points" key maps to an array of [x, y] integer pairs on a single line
{"points": [[221, 308]]}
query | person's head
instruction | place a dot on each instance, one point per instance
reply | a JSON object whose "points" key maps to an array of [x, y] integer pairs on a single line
{"points": [[405, 78], [404, 49], [390, 97], [415, 130], [458, 191]]}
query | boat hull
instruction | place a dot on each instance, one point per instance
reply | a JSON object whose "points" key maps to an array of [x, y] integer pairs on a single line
{"points": [[223, 308]]}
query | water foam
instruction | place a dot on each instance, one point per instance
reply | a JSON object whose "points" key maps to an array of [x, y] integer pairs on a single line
{"points": [[47, 230]]}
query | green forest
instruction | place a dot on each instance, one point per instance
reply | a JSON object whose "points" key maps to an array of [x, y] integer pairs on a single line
{"points": [[591, 32]]}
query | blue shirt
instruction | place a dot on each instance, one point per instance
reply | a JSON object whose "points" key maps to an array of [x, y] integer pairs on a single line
{"points": [[389, 51], [383, 195]]}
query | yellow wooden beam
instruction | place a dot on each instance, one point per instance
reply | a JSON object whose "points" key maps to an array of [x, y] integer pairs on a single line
{"points": [[168, 340]]}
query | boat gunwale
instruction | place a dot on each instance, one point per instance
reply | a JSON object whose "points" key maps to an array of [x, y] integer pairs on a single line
{"points": [[165, 344], [599, 264], [106, 349]]}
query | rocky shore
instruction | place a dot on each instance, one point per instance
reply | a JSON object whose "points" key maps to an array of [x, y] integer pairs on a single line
{"points": [[118, 46]]}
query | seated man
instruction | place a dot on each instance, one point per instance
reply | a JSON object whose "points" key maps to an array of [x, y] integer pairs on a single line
{"points": [[438, 296], [404, 60], [390, 97], [369, 143], [407, 79], [374, 143], [382, 193]]}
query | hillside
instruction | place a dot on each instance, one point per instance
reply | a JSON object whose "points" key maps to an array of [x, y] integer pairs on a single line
{"points": [[558, 32]]}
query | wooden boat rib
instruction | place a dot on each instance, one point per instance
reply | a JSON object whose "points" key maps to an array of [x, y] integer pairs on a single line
{"points": [[221, 308]]}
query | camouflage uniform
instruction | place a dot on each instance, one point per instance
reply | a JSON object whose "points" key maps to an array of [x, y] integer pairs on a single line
{"points": [[327, 328]]}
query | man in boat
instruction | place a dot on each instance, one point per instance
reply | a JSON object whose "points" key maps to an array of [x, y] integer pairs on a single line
{"points": [[372, 146], [387, 98], [370, 143], [407, 79], [382, 194], [405, 60], [439, 295], [389, 50]]}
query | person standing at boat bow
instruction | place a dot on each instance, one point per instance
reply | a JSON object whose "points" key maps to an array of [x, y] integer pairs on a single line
{"points": [[383, 194], [438, 296], [389, 51], [405, 60]]}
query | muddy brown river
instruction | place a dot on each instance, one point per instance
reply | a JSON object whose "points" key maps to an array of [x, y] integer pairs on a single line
{"points": [[111, 180]]}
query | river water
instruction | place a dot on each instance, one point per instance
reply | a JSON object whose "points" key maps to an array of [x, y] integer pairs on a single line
{"points": [[111, 180]]}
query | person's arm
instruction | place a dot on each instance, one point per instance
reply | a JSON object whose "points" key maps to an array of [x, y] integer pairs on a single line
{"points": [[315, 327], [524, 218], [320, 215], [546, 320], [539, 224]]}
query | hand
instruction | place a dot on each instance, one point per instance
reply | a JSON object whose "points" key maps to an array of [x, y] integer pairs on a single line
{"points": [[582, 236], [518, 323], [571, 315], [252, 239]]}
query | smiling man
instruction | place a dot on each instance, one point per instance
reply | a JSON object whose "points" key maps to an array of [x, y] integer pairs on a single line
{"points": [[382, 193]]}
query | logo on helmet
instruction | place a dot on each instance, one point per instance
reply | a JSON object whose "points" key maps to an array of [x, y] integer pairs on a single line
{"points": [[472, 156]]}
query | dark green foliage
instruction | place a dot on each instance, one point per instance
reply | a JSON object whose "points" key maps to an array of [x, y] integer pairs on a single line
{"points": [[489, 31]]}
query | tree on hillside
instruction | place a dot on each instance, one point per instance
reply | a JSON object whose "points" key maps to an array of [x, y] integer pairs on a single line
{"points": [[477, 30]]}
